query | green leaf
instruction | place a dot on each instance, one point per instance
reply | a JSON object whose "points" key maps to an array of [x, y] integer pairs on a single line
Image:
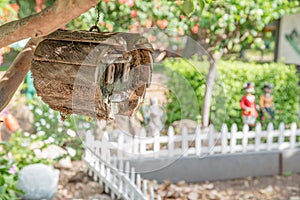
{"points": [[201, 5], [188, 7], [2, 181]]}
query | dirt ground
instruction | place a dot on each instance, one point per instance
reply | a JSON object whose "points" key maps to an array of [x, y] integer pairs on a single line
{"points": [[76, 185]]}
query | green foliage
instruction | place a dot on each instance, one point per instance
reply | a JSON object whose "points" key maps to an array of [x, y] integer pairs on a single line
{"points": [[189, 7], [285, 93], [228, 90], [221, 25], [184, 100], [52, 130], [24, 149], [8, 174], [233, 25]]}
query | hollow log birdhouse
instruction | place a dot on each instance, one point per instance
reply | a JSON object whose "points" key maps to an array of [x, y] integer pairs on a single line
{"points": [[92, 74]]}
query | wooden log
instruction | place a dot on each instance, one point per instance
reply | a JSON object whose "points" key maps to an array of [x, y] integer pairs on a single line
{"points": [[82, 72]]}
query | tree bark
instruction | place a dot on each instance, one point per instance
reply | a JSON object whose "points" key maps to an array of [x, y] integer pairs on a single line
{"points": [[14, 76], [210, 81], [44, 22]]}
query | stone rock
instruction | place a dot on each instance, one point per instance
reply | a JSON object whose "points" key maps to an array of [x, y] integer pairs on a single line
{"points": [[193, 196], [53, 151], [65, 163], [99, 197], [267, 190], [188, 123], [38, 181]]}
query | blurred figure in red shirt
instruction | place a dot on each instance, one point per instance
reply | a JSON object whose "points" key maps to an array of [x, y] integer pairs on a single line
{"points": [[248, 105]]}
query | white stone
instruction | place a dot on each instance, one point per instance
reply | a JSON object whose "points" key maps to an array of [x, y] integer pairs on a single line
{"points": [[38, 181]]}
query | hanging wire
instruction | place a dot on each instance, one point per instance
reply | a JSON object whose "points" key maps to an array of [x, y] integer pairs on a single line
{"points": [[98, 14], [95, 26]]}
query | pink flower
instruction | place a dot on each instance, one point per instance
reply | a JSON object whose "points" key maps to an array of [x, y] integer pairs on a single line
{"points": [[1, 59], [130, 3], [13, 169]]}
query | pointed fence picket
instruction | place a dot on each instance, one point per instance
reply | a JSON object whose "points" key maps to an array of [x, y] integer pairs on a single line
{"points": [[119, 181], [104, 158], [201, 142]]}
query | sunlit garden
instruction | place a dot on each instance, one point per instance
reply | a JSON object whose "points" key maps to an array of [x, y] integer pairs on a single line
{"points": [[135, 99]]}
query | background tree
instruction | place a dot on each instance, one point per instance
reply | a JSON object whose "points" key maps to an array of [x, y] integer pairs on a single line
{"points": [[227, 26]]}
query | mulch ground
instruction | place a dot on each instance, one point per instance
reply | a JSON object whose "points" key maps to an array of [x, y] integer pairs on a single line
{"points": [[75, 184]]}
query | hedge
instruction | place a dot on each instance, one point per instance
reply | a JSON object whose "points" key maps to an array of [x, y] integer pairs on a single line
{"points": [[228, 89]]}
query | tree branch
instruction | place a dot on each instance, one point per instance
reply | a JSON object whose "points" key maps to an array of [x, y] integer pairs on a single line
{"points": [[44, 22], [14, 76]]}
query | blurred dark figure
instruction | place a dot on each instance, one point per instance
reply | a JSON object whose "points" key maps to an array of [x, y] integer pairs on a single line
{"points": [[266, 103]]}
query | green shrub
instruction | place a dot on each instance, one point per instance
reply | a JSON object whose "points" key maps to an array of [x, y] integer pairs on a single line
{"points": [[228, 89], [186, 90], [8, 175], [52, 130]]}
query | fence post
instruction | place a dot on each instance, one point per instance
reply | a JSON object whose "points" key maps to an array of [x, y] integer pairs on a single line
{"points": [[126, 172], [198, 141], [152, 193], [97, 148], [281, 136], [245, 137], [156, 147], [270, 130], [293, 134], [233, 138], [257, 136], [184, 142], [138, 181], [120, 146], [142, 141], [224, 132], [145, 187], [114, 164], [132, 179], [107, 175], [171, 141], [211, 139], [121, 169]]}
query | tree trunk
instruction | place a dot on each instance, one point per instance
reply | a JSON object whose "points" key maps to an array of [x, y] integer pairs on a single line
{"points": [[210, 81]]}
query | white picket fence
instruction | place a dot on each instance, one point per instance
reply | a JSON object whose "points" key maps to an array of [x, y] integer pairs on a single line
{"points": [[104, 158], [117, 177], [200, 143]]}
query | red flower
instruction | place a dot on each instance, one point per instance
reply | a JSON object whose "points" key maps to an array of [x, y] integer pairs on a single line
{"points": [[195, 29], [133, 13], [162, 23], [15, 6]]}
